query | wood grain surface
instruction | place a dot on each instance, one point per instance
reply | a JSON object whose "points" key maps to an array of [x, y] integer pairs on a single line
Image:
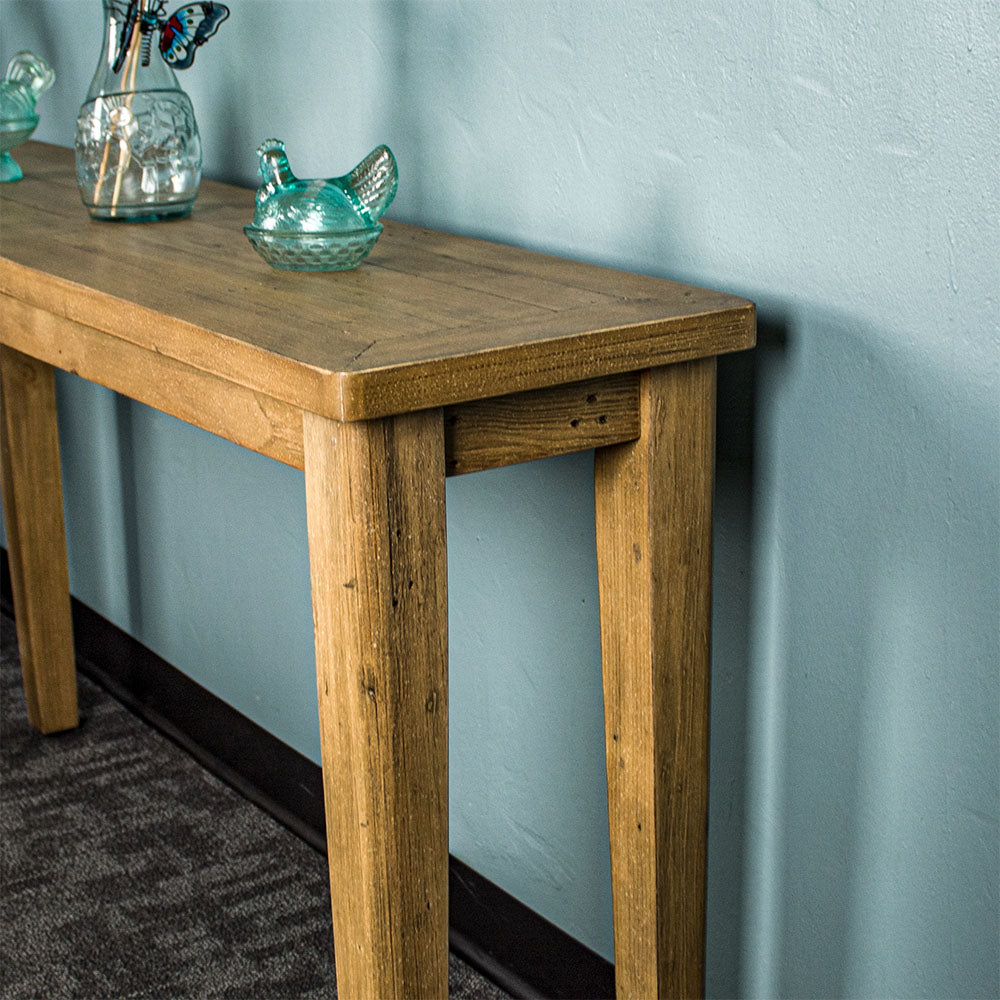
{"points": [[481, 434], [31, 481], [523, 426], [375, 508], [429, 319], [250, 418], [654, 552]]}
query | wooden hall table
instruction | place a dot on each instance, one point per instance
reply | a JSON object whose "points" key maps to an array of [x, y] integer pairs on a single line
{"points": [[439, 355]]}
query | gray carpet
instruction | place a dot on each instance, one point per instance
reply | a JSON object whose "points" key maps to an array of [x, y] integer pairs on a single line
{"points": [[126, 870]]}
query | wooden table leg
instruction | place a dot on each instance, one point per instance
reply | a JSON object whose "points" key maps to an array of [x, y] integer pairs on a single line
{"points": [[376, 520], [31, 482], [654, 547]]}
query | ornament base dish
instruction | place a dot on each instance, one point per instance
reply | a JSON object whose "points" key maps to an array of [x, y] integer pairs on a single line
{"points": [[313, 251], [12, 134]]}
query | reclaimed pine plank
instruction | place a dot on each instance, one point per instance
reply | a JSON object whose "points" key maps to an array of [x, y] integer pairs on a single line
{"points": [[31, 483], [430, 320], [375, 507], [654, 551]]}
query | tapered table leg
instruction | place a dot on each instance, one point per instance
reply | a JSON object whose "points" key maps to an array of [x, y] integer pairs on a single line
{"points": [[654, 546], [36, 541], [376, 520]]}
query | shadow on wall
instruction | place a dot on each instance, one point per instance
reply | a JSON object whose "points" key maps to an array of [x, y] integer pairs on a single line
{"points": [[873, 704], [732, 663]]}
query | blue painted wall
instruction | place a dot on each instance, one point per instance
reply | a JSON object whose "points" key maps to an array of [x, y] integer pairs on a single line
{"points": [[835, 162]]}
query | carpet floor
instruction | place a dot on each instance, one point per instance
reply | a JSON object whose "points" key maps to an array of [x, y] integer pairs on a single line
{"points": [[127, 870]]}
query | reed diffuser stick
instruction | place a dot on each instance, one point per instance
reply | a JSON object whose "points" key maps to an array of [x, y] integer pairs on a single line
{"points": [[131, 69], [124, 153]]}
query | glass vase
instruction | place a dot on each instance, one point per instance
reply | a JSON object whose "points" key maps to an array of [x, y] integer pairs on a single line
{"points": [[138, 152]]}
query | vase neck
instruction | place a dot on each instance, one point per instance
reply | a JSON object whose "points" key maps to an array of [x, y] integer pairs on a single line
{"points": [[130, 57]]}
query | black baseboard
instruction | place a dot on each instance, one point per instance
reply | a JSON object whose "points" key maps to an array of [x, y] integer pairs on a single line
{"points": [[494, 932]]}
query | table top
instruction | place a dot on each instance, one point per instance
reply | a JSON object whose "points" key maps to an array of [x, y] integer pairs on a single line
{"points": [[429, 319]]}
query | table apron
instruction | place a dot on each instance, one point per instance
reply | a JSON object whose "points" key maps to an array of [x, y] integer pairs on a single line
{"points": [[481, 434], [251, 419]]}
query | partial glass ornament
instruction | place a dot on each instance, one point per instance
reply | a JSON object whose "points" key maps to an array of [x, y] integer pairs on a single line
{"points": [[28, 77]]}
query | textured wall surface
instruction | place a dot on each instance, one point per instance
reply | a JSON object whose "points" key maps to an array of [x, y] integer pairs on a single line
{"points": [[835, 162]]}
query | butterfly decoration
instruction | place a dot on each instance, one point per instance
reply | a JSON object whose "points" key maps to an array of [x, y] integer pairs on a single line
{"points": [[180, 34]]}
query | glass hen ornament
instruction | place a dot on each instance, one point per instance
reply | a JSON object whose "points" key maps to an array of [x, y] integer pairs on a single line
{"points": [[26, 79], [138, 152], [320, 225]]}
